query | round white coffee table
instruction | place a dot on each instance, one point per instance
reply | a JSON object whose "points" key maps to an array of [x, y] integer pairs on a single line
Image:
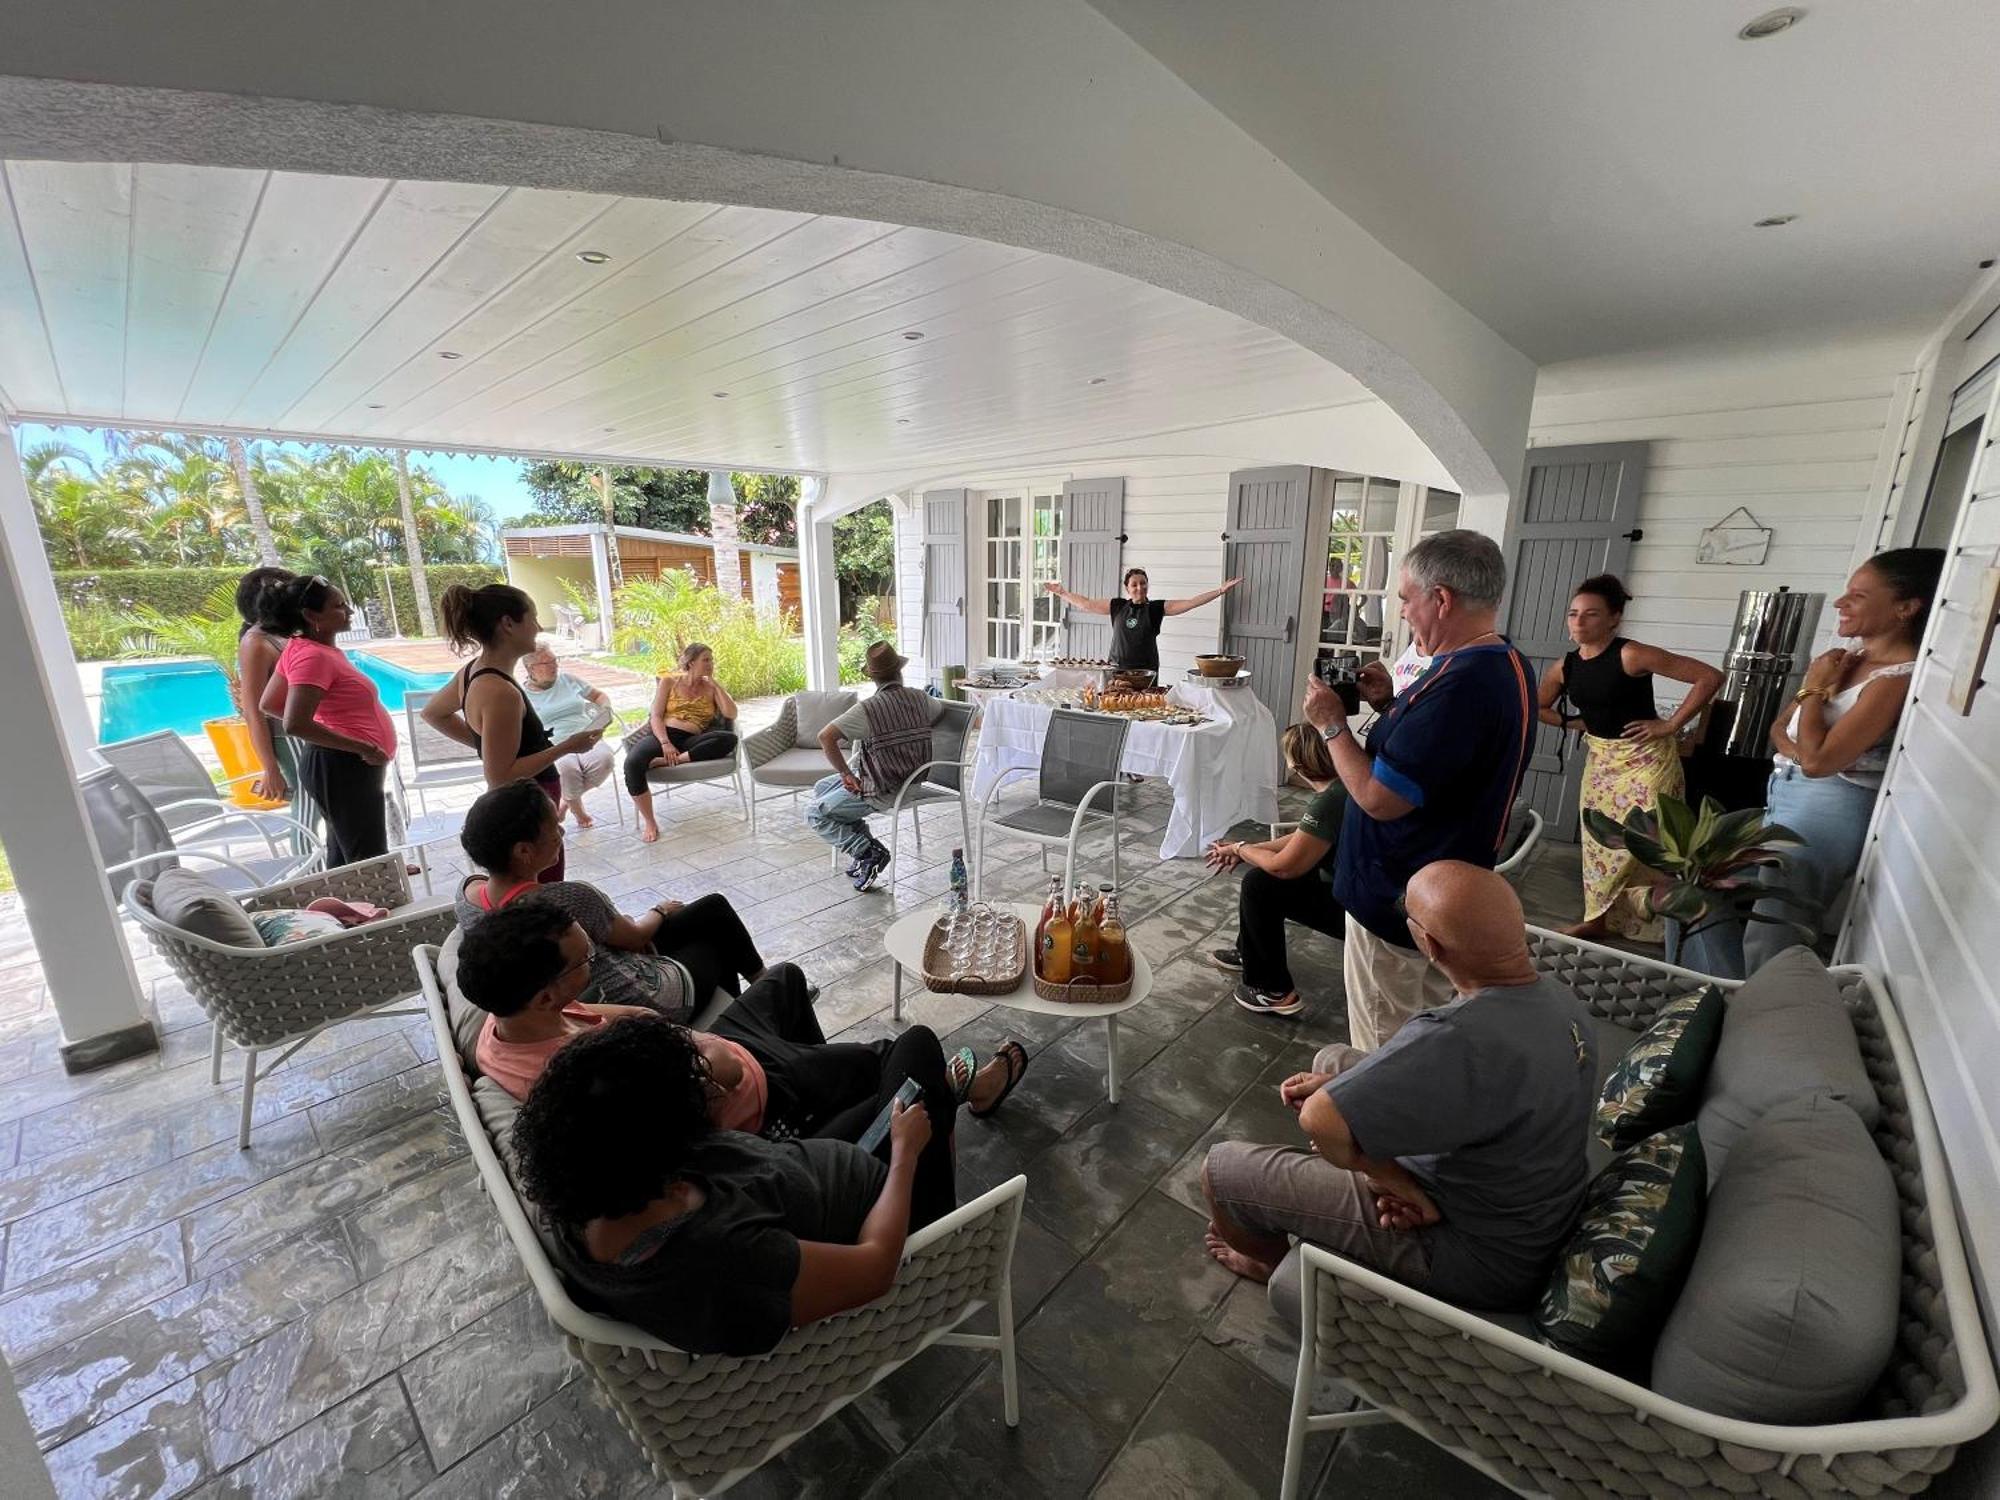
{"points": [[905, 941]]}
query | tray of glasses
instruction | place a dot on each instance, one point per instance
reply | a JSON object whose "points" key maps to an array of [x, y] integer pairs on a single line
{"points": [[979, 950]]}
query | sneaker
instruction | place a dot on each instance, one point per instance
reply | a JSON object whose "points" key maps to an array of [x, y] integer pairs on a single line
{"points": [[1264, 1003], [868, 869], [1229, 960]]}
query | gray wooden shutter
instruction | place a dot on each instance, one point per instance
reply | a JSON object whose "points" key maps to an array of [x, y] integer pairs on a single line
{"points": [[1264, 543], [944, 581], [1969, 401], [1578, 507], [1093, 554]]}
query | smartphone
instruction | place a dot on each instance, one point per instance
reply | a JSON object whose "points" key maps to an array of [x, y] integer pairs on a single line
{"points": [[1337, 675], [872, 1139]]}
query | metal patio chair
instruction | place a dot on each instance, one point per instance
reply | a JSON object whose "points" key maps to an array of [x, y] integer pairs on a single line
{"points": [[162, 770], [943, 778], [663, 779], [436, 759], [1079, 781], [134, 840], [705, 1421]]}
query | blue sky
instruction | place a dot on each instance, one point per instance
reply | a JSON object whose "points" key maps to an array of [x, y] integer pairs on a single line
{"points": [[497, 481]]}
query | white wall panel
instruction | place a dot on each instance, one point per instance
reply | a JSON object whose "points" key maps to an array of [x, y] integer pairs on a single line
{"points": [[1798, 443]]}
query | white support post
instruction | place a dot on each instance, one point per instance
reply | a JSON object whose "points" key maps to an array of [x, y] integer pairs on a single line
{"points": [[42, 822], [819, 594]]}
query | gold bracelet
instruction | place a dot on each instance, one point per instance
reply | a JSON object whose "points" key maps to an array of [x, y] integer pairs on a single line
{"points": [[1823, 694]]}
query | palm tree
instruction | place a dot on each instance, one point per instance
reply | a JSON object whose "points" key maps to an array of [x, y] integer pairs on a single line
{"points": [[413, 547], [253, 502], [86, 523]]}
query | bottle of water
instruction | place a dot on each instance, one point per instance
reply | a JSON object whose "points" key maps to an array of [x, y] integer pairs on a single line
{"points": [[960, 896]]}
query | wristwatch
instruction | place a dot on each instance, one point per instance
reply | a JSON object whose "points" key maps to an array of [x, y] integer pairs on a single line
{"points": [[1338, 728]]}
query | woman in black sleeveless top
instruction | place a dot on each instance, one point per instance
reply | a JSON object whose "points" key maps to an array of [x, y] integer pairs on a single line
{"points": [[484, 707], [1630, 753]]}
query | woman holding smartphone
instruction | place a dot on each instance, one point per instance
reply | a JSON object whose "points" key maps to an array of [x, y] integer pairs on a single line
{"points": [[346, 738]]}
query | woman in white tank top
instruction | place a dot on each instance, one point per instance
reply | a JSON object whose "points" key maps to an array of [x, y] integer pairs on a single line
{"points": [[1832, 748]]}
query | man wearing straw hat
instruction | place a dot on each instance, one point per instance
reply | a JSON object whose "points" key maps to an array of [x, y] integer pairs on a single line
{"points": [[891, 733]]}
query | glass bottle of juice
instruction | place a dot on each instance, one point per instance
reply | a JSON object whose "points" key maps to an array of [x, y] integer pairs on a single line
{"points": [[1114, 954], [1097, 907], [1051, 909], [1083, 959], [1059, 946]]}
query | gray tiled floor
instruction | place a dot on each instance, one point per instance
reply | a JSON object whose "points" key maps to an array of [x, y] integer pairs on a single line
{"points": [[336, 1311]]}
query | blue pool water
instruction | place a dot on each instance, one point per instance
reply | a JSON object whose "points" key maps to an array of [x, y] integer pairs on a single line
{"points": [[180, 695]]}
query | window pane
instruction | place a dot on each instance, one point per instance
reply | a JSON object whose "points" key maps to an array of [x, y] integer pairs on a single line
{"points": [[1440, 511], [1379, 513], [993, 610], [1013, 601]]}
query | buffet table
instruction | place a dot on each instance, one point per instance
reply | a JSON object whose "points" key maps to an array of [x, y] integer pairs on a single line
{"points": [[1221, 772]]}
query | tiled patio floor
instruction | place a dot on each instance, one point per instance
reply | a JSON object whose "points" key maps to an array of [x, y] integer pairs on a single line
{"points": [[336, 1311]]}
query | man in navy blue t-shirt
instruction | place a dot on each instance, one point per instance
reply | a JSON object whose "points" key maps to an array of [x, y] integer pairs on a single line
{"points": [[1438, 778]]}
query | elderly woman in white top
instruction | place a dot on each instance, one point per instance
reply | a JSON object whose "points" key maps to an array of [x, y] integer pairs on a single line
{"points": [[567, 705], [1831, 751]]}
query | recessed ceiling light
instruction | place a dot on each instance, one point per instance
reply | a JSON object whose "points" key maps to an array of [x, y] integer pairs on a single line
{"points": [[1097, 380], [902, 421], [375, 405], [913, 335], [1784, 18], [1987, 264], [592, 257], [721, 395], [1776, 221], [611, 429], [449, 354]]}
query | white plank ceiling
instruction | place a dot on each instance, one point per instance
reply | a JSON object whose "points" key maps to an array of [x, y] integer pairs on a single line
{"points": [[438, 314]]}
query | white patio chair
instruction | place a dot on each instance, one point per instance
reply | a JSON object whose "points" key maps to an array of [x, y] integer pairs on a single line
{"points": [[705, 1421], [261, 998], [774, 758], [436, 759], [663, 779], [134, 840], [1524, 832], [1078, 782], [161, 768], [1542, 1422]]}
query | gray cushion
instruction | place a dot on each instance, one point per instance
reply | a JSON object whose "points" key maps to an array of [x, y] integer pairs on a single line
{"points": [[793, 768], [197, 905], [465, 1017], [1789, 1312], [1786, 1033], [814, 711], [694, 770], [1616, 1280]]}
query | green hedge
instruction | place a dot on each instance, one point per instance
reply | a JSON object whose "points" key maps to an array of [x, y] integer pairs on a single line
{"points": [[98, 604], [182, 591]]}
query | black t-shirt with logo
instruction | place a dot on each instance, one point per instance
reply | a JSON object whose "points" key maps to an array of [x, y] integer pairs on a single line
{"points": [[1135, 632]]}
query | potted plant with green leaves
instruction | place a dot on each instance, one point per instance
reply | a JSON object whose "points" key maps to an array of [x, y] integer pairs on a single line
{"points": [[1710, 869], [208, 635]]}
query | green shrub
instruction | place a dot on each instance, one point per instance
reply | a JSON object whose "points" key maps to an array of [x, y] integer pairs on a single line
{"points": [[855, 640], [96, 632], [754, 657]]}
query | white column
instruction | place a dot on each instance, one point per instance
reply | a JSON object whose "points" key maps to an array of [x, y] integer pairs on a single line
{"points": [[36, 592], [600, 575], [819, 594], [42, 822]]}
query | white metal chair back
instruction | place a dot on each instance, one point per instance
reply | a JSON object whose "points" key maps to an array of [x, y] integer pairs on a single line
{"points": [[430, 747], [166, 773]]}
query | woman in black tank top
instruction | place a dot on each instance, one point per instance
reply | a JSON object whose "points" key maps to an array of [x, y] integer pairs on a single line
{"points": [[1631, 754], [495, 717]]}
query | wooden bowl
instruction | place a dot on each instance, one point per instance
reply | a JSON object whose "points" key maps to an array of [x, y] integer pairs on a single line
{"points": [[1130, 680], [1219, 666]]}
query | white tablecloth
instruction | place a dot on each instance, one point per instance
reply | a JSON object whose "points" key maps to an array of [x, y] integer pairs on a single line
{"points": [[1221, 773]]}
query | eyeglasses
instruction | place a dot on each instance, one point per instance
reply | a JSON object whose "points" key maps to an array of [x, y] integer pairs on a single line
{"points": [[582, 963]]}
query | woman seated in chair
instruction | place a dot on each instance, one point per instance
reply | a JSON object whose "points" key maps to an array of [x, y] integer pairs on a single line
{"points": [[717, 1241], [669, 960], [1289, 878], [568, 705], [685, 724]]}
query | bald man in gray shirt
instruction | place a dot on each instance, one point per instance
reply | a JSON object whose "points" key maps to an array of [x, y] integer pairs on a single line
{"points": [[1453, 1157]]}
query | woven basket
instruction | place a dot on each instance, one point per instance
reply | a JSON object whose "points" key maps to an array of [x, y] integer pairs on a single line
{"points": [[1083, 991], [939, 978]]}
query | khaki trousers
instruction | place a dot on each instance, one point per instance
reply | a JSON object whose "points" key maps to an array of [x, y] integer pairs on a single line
{"points": [[1386, 985]]}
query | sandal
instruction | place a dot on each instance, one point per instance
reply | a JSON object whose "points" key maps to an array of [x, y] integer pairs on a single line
{"points": [[959, 1069], [1017, 1069]]}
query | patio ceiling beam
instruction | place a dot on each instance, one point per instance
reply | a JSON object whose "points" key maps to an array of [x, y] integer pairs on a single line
{"points": [[47, 835]]}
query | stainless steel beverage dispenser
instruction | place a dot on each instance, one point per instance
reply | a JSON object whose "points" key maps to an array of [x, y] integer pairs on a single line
{"points": [[1769, 648]]}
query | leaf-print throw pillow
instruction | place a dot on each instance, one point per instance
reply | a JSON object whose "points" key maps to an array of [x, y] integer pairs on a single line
{"points": [[1621, 1272], [1659, 1081]]}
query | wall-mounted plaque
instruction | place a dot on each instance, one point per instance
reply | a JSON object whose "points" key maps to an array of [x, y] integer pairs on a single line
{"points": [[1737, 539]]}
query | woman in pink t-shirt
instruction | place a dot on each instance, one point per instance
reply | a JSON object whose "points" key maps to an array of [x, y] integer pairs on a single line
{"points": [[346, 737]]}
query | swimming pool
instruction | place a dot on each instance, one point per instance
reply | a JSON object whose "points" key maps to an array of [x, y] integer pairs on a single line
{"points": [[180, 695]]}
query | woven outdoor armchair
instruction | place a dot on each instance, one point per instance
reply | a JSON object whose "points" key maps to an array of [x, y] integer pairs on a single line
{"points": [[261, 998], [705, 1421], [1544, 1423]]}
